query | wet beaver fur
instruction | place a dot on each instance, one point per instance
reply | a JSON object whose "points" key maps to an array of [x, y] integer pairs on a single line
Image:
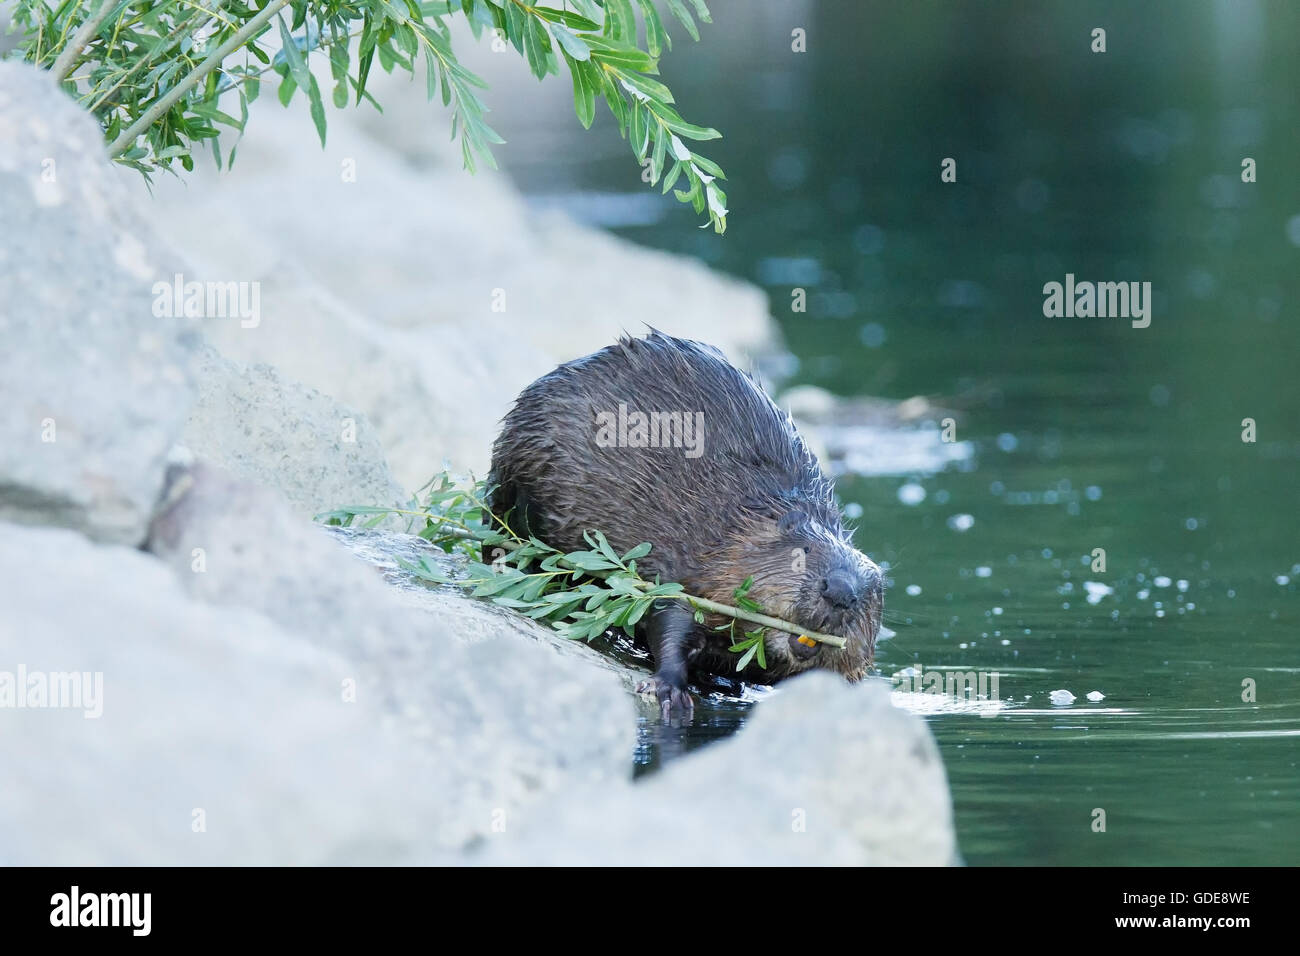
{"points": [[724, 491]]}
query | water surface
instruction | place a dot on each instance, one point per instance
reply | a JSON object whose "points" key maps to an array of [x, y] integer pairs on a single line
{"points": [[1088, 433]]}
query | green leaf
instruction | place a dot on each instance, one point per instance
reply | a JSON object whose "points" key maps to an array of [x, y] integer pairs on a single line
{"points": [[640, 551], [678, 9], [621, 55], [701, 10], [571, 20], [571, 45], [286, 90], [644, 85], [619, 22], [317, 107], [293, 56], [655, 35], [672, 176], [584, 90], [678, 125]]}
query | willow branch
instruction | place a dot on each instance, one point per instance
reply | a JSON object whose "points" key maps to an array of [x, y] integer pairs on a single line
{"points": [[161, 106], [63, 65]]}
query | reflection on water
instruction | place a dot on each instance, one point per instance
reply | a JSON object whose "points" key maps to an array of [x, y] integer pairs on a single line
{"points": [[1086, 433]]}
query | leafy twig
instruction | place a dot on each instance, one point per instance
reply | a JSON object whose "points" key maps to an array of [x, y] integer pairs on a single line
{"points": [[158, 94], [582, 594], [79, 40], [213, 60]]}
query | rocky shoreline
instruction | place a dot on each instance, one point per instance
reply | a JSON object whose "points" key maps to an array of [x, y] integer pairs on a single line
{"points": [[267, 697]]}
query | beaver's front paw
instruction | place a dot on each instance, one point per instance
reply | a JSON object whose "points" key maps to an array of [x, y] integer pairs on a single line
{"points": [[674, 699]]}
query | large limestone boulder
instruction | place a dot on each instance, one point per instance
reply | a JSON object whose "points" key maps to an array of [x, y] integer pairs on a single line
{"points": [[502, 722], [93, 387], [217, 738], [824, 773], [267, 429], [424, 296]]}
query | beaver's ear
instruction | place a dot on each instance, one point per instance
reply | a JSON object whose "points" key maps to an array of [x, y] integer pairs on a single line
{"points": [[791, 521]]}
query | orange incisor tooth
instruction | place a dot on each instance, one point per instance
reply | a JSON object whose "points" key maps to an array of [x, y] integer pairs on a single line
{"points": [[807, 641]]}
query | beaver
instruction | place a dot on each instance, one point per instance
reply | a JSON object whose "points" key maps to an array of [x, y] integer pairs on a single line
{"points": [[662, 440]]}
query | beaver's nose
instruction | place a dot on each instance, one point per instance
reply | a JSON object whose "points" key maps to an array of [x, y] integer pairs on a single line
{"points": [[840, 590]]}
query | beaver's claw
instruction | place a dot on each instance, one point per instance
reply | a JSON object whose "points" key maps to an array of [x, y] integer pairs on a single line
{"points": [[674, 699]]}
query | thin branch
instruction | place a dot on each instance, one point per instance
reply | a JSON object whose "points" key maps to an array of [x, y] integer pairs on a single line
{"points": [[214, 60], [63, 65], [704, 604], [176, 36]]}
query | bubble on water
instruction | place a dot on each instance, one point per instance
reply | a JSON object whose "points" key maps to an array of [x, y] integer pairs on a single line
{"points": [[961, 522], [1162, 582], [1183, 584], [1191, 524], [1062, 698], [1005, 642], [997, 611], [1282, 579], [1143, 594], [914, 589], [1200, 283], [983, 572], [853, 510], [1293, 230], [1096, 591], [1096, 695], [1160, 613], [962, 646], [868, 239], [1007, 441], [911, 493], [941, 496], [961, 294], [1046, 552], [1092, 493], [789, 270], [788, 167], [873, 335]]}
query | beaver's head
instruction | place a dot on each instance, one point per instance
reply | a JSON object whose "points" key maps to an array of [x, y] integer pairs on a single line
{"points": [[805, 571]]}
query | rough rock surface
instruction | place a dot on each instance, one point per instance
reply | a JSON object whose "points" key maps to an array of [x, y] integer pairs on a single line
{"points": [[429, 297], [93, 387], [824, 773], [208, 709], [316, 452], [500, 721]]}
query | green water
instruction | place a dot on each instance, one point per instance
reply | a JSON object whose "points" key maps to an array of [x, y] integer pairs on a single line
{"points": [[1088, 433]]}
